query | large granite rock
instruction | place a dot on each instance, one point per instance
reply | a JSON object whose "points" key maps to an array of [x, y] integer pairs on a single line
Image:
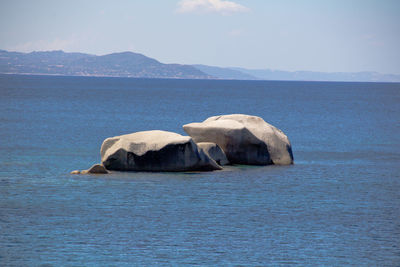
{"points": [[154, 151], [214, 151], [244, 139]]}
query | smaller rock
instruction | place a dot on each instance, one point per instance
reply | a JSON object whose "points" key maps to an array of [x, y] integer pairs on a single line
{"points": [[214, 151], [75, 172], [95, 169], [154, 151]]}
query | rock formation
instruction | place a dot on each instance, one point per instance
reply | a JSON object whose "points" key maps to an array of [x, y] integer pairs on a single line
{"points": [[245, 139], [219, 140]]}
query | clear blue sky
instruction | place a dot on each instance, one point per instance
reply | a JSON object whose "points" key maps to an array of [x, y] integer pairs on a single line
{"points": [[316, 35]]}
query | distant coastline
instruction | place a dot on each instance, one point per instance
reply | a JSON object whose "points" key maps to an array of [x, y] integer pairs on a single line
{"points": [[134, 65]]}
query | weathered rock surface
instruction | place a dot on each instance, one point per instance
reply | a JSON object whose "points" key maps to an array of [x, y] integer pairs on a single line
{"points": [[154, 151], [214, 151], [245, 139], [95, 169]]}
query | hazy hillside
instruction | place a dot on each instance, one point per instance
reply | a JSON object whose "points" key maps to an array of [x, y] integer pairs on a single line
{"points": [[265, 74], [225, 73], [126, 64]]}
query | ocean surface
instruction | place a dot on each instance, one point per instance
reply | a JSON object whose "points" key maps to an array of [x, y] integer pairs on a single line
{"points": [[338, 205]]}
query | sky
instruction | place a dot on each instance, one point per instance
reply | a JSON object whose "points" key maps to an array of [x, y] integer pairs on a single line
{"points": [[291, 35]]}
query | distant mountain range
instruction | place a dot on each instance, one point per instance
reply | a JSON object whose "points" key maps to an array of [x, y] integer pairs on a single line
{"points": [[129, 64], [125, 64]]}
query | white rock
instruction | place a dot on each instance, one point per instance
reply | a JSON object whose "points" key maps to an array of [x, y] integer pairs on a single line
{"points": [[154, 151], [245, 139]]}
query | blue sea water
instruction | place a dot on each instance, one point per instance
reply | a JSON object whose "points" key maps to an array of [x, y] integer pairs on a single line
{"points": [[339, 204]]}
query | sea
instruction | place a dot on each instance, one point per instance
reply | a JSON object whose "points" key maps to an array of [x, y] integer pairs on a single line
{"points": [[337, 205]]}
